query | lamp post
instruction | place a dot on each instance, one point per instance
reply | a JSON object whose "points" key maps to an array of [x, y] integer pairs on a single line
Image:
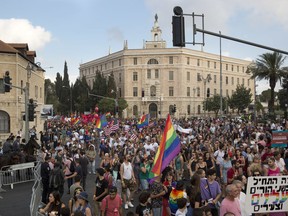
{"points": [[221, 93], [205, 80], [70, 97], [29, 69]]}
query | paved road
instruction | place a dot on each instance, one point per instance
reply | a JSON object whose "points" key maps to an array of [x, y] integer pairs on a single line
{"points": [[16, 201]]}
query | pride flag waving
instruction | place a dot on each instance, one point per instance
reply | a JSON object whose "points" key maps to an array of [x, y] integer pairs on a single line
{"points": [[144, 121], [101, 122], [168, 149]]}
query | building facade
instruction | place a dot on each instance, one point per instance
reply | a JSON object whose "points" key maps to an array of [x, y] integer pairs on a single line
{"points": [[19, 61], [154, 78]]}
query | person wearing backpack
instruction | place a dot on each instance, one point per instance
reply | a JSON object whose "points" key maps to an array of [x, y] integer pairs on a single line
{"points": [[69, 164], [78, 171], [56, 179]]}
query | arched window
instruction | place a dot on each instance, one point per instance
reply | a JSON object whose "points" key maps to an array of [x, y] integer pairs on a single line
{"points": [[135, 110], [199, 109], [189, 109], [155, 37], [153, 91], [152, 61], [4, 122]]}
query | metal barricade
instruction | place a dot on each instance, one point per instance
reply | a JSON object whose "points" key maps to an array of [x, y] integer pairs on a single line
{"points": [[17, 173], [36, 192]]}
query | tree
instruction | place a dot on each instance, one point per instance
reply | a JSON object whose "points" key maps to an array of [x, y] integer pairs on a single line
{"points": [[80, 95], [111, 87], [240, 99], [99, 88], [212, 104], [58, 85], [269, 67], [50, 94], [265, 95]]}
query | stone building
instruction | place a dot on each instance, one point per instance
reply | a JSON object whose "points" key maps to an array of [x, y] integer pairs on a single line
{"points": [[19, 61], [154, 78]]}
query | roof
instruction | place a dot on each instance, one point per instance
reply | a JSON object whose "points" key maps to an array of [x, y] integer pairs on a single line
{"points": [[31, 53], [6, 48], [19, 45]]}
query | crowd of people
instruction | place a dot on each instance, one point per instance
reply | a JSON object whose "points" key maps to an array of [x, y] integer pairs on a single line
{"points": [[208, 176]]}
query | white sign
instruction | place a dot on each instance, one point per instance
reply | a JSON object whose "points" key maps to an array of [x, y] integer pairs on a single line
{"points": [[267, 194]]}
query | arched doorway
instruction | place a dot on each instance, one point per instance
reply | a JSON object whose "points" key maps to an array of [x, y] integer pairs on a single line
{"points": [[153, 110]]}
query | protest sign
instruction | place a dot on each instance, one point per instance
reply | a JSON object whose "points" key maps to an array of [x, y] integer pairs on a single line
{"points": [[267, 194], [279, 139]]}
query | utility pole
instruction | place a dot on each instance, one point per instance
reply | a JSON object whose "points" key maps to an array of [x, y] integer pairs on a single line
{"points": [[221, 79]]}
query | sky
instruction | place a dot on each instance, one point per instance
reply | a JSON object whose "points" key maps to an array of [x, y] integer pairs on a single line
{"points": [[78, 31]]}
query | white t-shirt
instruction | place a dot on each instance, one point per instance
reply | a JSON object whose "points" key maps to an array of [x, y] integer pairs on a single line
{"points": [[280, 164], [219, 156], [181, 213]]}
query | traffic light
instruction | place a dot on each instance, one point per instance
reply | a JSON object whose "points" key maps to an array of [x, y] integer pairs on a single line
{"points": [[174, 108], [31, 109], [7, 81], [178, 31]]}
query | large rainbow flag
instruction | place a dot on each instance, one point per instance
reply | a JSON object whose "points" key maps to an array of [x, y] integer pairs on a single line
{"points": [[101, 122], [144, 121], [168, 149]]}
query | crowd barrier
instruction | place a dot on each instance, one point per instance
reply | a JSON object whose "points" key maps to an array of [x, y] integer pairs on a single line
{"points": [[18, 173], [36, 192]]}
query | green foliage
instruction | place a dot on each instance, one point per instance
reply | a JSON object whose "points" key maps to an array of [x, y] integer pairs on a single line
{"points": [[50, 94], [59, 94], [240, 99], [269, 66], [265, 95], [80, 95], [58, 85], [213, 104], [283, 100]]}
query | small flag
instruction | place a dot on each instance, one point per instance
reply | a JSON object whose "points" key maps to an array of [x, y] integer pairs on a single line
{"points": [[115, 125], [101, 122], [144, 121]]}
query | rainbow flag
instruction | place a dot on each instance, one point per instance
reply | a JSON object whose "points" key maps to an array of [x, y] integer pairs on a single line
{"points": [[168, 149], [144, 121], [174, 195], [101, 122]]}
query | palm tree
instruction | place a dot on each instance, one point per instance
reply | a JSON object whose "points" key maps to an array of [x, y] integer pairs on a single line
{"points": [[269, 66]]}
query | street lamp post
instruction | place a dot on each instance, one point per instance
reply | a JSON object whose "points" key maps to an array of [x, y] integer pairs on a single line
{"points": [[221, 81], [29, 69], [205, 80]]}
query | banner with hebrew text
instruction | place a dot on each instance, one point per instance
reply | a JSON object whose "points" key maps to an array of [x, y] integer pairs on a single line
{"points": [[267, 194]]}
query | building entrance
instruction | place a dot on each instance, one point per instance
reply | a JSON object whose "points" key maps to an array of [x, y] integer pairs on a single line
{"points": [[153, 110]]}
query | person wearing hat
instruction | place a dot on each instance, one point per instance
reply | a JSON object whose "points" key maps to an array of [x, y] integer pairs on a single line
{"points": [[84, 207], [101, 189], [111, 204]]}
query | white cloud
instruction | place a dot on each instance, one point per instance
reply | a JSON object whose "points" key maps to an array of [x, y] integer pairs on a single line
{"points": [[22, 31]]}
